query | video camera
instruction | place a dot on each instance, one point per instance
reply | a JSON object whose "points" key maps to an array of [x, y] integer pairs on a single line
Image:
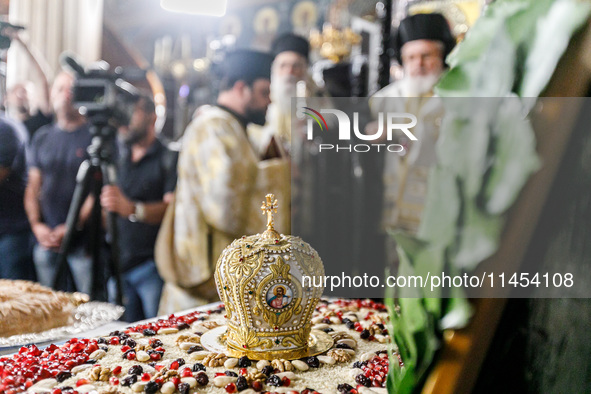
{"points": [[104, 97]]}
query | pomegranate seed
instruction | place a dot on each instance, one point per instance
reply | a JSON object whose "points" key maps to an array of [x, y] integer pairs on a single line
{"points": [[145, 377], [243, 371], [91, 348], [131, 356], [176, 381], [159, 367], [159, 380], [114, 341], [174, 365], [231, 388], [81, 382], [116, 370], [125, 348], [257, 386], [187, 373], [114, 381], [56, 391]]}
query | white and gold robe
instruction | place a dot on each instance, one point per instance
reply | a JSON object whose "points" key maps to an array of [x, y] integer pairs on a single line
{"points": [[221, 186], [405, 177]]}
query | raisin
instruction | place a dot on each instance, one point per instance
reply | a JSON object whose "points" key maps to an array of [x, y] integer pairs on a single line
{"points": [[130, 342], [350, 325], [129, 380], [63, 375], [202, 378], [343, 346], [181, 361], [313, 362], [358, 364], [230, 373], [346, 320], [363, 380], [274, 380], [364, 334], [194, 349], [154, 343], [183, 326], [241, 383], [184, 388], [344, 388], [244, 362], [90, 361], [268, 370], [151, 387], [114, 333], [102, 341], [257, 386], [135, 370], [149, 333], [327, 330], [198, 367]]}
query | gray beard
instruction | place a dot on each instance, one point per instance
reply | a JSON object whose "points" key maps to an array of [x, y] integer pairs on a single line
{"points": [[418, 86], [282, 91]]}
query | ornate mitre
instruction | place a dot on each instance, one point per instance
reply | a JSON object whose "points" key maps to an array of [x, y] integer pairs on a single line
{"points": [[269, 304]]}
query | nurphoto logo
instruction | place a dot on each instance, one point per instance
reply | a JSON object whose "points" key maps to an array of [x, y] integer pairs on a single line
{"points": [[390, 125]]}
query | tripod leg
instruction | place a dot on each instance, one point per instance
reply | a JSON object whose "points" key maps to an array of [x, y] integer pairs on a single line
{"points": [[95, 237], [109, 178], [83, 179]]}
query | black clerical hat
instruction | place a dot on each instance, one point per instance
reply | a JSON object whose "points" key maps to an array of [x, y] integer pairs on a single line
{"points": [[247, 65], [291, 42], [423, 27]]}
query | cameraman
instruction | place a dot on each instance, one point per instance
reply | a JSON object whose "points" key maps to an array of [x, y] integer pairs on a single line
{"points": [[147, 178]]}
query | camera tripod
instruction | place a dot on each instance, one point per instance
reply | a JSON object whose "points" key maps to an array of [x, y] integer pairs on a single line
{"points": [[94, 172]]}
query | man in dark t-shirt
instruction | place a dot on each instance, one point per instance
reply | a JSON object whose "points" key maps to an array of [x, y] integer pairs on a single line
{"points": [[56, 153], [147, 178], [15, 234]]}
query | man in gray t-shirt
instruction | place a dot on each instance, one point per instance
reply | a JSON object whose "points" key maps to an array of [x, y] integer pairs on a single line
{"points": [[56, 153]]}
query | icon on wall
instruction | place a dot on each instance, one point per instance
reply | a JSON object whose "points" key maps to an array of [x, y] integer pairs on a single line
{"points": [[304, 16], [266, 21]]}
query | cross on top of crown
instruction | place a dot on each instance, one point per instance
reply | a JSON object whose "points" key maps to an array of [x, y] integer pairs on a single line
{"points": [[269, 207]]}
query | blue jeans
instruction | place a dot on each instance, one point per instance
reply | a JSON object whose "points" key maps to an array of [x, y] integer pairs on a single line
{"points": [[16, 259], [79, 261], [142, 287]]}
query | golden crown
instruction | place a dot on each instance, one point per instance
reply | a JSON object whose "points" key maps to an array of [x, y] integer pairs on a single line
{"points": [[266, 283]]}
